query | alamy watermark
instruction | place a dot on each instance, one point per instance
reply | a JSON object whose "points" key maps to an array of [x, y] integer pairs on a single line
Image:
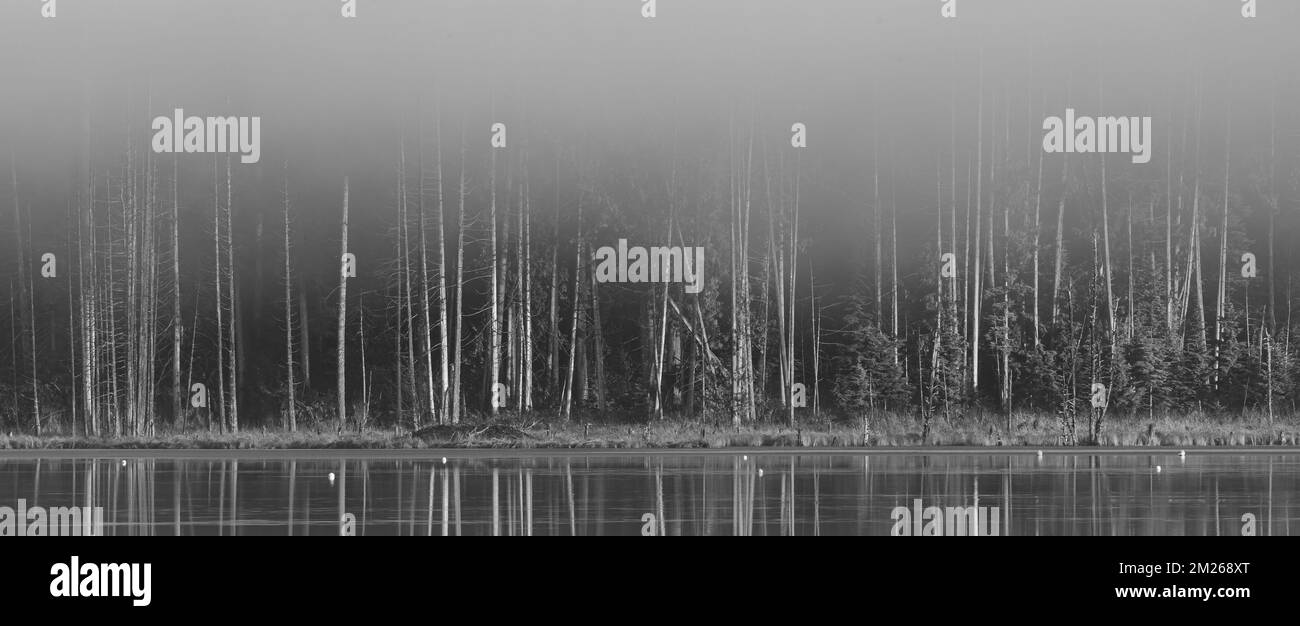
{"points": [[102, 580], [55, 521], [949, 521], [1101, 135], [656, 264], [237, 135]]}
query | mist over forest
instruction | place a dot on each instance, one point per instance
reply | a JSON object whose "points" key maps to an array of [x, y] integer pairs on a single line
{"points": [[475, 292]]}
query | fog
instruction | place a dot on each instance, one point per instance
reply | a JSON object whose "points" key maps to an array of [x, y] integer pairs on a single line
{"points": [[888, 77]]}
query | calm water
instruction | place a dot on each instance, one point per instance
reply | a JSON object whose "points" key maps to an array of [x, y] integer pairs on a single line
{"points": [[470, 493]]}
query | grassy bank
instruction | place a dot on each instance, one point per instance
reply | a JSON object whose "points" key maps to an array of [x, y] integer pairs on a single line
{"points": [[1193, 430]]}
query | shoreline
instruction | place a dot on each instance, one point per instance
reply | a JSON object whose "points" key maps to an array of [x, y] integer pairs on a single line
{"points": [[898, 432], [477, 454]]}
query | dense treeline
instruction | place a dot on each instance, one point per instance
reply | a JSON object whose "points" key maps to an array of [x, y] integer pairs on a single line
{"points": [[1070, 285]]}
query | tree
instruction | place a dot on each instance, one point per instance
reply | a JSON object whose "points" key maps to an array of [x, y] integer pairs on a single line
{"points": [[343, 313], [866, 376], [292, 412]]}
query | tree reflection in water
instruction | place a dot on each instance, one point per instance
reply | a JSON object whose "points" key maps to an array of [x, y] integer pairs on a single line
{"points": [[670, 494]]}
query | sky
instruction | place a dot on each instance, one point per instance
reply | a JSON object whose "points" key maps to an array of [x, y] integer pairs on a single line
{"points": [[886, 77]]}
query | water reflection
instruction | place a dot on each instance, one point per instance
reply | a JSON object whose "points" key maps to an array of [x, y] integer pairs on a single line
{"points": [[628, 494]]}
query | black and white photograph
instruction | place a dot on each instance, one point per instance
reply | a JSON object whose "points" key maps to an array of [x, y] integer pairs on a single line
{"points": [[648, 268]]}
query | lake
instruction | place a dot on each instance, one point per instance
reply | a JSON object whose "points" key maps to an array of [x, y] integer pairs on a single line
{"points": [[588, 492]]}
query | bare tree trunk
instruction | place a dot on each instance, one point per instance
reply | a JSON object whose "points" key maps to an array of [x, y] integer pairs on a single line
{"points": [[940, 306], [130, 232], [494, 316], [288, 314], [111, 313], [364, 417], [1006, 313], [952, 212], [408, 315], [343, 314], [1169, 240], [875, 204], [567, 396], [526, 400], [517, 303], [460, 288], [1195, 262], [1109, 267], [1132, 303], [1060, 232], [1105, 237], [598, 347], [426, 318], [554, 361], [151, 317], [794, 249], [967, 262], [1267, 344], [221, 330], [31, 329], [815, 322], [234, 310], [304, 335], [1273, 204], [734, 236], [893, 263], [1194, 251], [657, 371], [89, 307], [746, 338], [178, 392], [442, 278], [509, 287], [776, 251], [1038, 237], [1196, 232], [1222, 296], [22, 285], [977, 293], [402, 321]]}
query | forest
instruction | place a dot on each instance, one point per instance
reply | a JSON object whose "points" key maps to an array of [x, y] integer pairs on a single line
{"points": [[189, 292]]}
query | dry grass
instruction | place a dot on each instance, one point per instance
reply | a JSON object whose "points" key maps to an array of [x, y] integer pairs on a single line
{"points": [[881, 430]]}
